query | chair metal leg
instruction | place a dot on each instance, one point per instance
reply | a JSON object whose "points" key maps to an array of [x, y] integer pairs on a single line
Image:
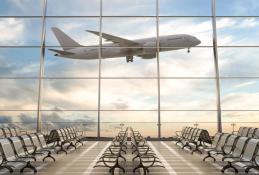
{"points": [[49, 156], [28, 165], [229, 165], [209, 156]]}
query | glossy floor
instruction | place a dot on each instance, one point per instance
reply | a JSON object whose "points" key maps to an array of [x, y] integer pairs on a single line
{"points": [[82, 160]]}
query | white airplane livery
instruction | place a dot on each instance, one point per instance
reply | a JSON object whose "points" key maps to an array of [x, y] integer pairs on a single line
{"points": [[121, 47]]}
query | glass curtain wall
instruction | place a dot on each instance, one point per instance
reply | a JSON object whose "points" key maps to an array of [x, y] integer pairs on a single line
{"points": [[157, 96]]}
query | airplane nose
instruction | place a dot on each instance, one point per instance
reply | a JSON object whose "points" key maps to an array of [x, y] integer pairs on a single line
{"points": [[197, 41]]}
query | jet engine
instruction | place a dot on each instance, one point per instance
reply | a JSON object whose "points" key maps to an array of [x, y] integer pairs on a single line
{"points": [[148, 56], [149, 48]]}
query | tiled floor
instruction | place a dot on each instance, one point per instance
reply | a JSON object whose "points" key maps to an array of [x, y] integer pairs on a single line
{"points": [[82, 160]]}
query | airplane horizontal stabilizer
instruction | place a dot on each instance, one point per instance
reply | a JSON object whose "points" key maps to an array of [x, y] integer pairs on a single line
{"points": [[61, 52]]}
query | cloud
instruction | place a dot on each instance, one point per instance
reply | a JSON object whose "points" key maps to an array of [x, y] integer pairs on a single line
{"points": [[245, 84], [12, 31]]}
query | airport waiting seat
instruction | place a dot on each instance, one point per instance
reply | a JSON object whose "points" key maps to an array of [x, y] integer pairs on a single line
{"points": [[7, 132], [221, 141], [10, 160], [247, 155], [256, 134], [194, 139], [39, 149]]}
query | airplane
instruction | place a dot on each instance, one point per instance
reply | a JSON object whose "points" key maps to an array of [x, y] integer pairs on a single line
{"points": [[121, 47]]}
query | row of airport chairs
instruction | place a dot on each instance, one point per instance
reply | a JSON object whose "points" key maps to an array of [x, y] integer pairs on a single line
{"points": [[193, 138], [21, 151], [248, 132], [234, 149], [144, 153], [11, 132], [65, 138], [112, 155]]}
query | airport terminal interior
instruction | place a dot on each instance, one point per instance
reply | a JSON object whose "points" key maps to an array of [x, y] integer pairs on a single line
{"points": [[129, 87]]}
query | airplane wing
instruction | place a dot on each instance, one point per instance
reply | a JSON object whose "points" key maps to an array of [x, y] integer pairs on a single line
{"points": [[115, 39], [62, 52]]}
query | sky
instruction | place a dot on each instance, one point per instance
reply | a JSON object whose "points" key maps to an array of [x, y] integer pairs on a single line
{"points": [[190, 95]]}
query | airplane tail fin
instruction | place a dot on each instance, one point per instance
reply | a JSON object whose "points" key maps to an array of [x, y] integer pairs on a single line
{"points": [[65, 41]]}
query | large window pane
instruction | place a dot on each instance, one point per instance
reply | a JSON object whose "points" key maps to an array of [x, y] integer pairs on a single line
{"points": [[119, 67], [20, 31], [183, 94], [19, 62], [18, 94], [129, 94], [240, 94], [237, 8], [232, 120], [142, 121], [129, 7], [238, 31], [70, 94], [75, 28], [173, 121], [179, 63], [83, 120], [239, 62], [26, 120], [185, 7], [21, 7], [200, 28], [69, 67], [73, 8]]}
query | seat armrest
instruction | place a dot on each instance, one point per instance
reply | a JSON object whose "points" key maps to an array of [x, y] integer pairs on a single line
{"points": [[81, 133], [24, 132]]}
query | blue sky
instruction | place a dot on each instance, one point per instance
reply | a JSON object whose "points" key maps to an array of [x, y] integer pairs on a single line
{"points": [[176, 94]]}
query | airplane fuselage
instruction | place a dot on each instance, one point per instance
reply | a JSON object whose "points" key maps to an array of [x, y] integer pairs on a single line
{"points": [[146, 48]]}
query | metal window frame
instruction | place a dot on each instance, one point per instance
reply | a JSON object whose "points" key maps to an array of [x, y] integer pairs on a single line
{"points": [[42, 47]]}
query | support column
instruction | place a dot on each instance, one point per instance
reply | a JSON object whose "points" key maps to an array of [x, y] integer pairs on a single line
{"points": [[158, 69], [215, 51], [42, 58], [100, 71]]}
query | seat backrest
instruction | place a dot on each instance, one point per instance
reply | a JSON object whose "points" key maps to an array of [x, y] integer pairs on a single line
{"points": [[205, 137], [61, 137], [72, 132], [29, 146], [251, 132], [63, 134], [35, 141], [245, 132], [256, 134], [229, 146], [18, 131], [53, 136], [18, 146], [7, 151], [187, 132], [183, 131], [239, 146], [197, 135], [7, 132], [250, 148], [216, 139], [12, 131], [192, 131], [222, 141], [42, 140], [239, 133], [2, 135], [66, 131]]}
